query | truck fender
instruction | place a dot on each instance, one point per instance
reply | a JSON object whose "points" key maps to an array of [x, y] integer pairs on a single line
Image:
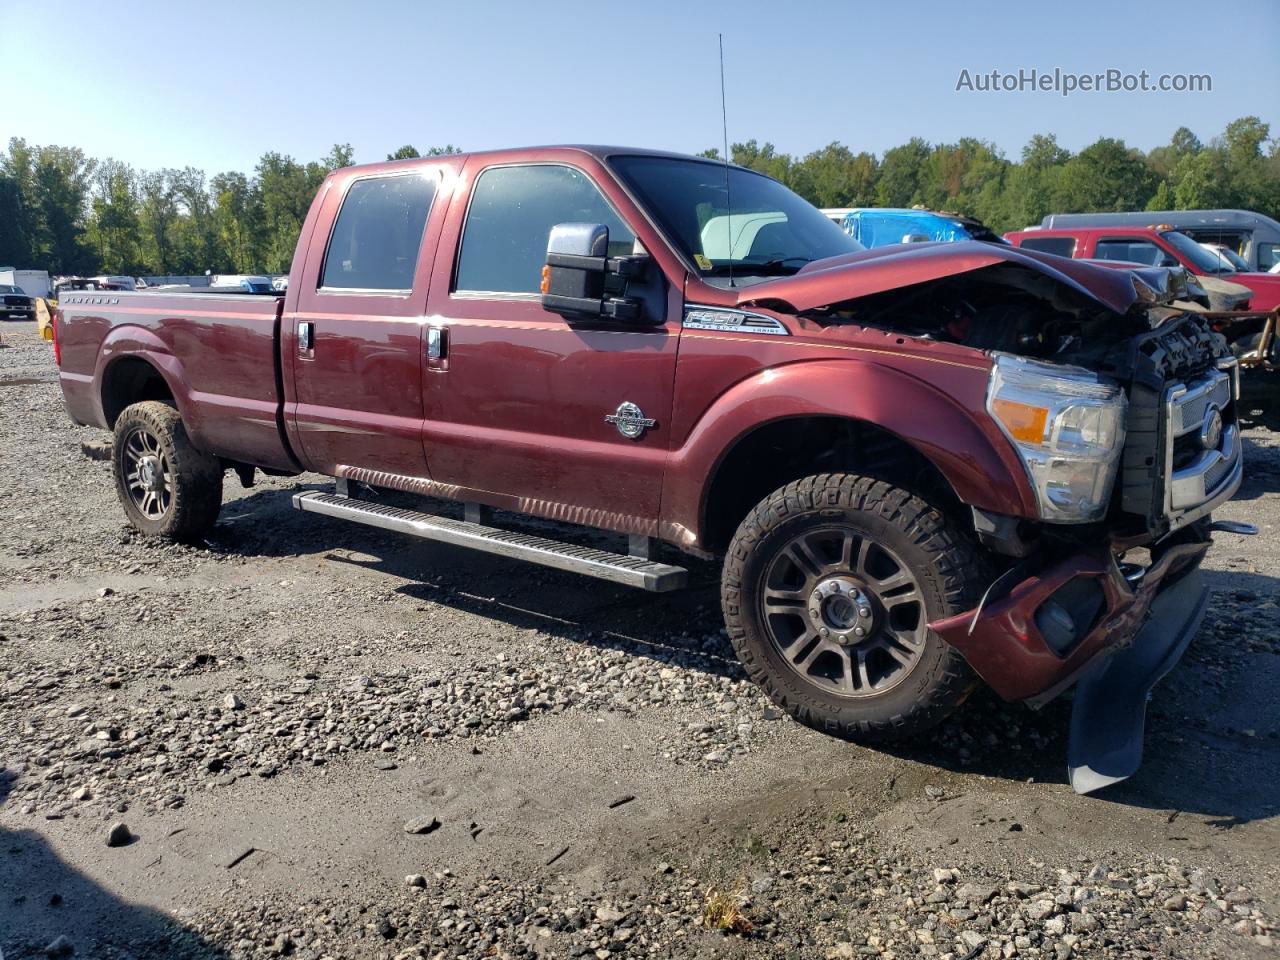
{"points": [[943, 418], [133, 341]]}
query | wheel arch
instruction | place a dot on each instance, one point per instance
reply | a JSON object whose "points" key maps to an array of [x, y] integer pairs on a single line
{"points": [[792, 447], [132, 379], [134, 364], [938, 427]]}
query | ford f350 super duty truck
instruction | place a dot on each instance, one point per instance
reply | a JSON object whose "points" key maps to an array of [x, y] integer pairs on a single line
{"points": [[922, 465]]}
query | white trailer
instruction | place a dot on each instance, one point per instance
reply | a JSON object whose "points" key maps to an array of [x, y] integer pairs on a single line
{"points": [[34, 283]]}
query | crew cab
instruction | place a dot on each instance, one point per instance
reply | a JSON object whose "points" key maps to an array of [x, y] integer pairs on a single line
{"points": [[922, 465], [1159, 246]]}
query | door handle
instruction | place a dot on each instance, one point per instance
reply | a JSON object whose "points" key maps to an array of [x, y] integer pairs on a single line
{"points": [[437, 343], [306, 337]]}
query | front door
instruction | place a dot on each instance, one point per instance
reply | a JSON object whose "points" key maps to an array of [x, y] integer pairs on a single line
{"points": [[527, 410], [356, 343]]}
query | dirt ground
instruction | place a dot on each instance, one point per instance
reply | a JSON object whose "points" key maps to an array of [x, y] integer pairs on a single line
{"points": [[326, 741]]}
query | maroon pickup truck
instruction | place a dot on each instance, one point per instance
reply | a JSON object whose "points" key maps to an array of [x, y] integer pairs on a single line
{"points": [[921, 465]]}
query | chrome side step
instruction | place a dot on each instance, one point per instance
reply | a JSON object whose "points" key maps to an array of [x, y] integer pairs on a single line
{"points": [[619, 568]]}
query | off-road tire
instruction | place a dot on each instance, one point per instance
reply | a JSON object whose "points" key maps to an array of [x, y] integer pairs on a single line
{"points": [[942, 562], [194, 478]]}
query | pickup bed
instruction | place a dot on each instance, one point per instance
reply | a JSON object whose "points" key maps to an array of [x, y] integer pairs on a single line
{"points": [[922, 465]]}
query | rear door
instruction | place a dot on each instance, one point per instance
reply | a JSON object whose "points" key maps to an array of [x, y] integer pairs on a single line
{"points": [[356, 338], [517, 408]]}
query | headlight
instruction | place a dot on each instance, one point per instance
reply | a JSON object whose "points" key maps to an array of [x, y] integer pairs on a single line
{"points": [[1067, 426]]}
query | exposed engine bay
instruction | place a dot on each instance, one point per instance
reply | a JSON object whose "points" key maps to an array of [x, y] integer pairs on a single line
{"points": [[1012, 309]]}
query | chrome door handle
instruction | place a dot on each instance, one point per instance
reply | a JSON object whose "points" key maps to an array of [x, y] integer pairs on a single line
{"points": [[437, 343], [306, 336]]}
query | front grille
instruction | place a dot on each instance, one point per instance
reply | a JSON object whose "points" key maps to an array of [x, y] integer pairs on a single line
{"points": [[1176, 378], [12, 300], [1204, 448]]}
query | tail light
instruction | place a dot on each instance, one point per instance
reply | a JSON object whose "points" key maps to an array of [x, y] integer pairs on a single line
{"points": [[57, 343]]}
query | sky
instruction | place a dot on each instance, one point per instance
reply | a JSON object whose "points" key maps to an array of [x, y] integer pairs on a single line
{"points": [[163, 84]]}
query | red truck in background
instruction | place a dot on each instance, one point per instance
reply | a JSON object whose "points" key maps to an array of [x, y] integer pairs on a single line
{"points": [[1159, 246], [920, 464]]}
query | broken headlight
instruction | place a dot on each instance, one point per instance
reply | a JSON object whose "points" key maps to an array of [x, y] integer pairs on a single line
{"points": [[1068, 427]]}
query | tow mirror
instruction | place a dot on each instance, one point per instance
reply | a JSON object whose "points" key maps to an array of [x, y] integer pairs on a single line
{"points": [[580, 279]]}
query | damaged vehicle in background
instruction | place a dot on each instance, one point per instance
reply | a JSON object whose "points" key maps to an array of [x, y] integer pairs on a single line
{"points": [[922, 465]]}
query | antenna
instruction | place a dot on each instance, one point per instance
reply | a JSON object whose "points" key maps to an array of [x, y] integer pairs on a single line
{"points": [[724, 123]]}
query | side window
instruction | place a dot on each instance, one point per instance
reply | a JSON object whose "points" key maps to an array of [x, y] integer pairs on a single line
{"points": [[1059, 246], [512, 211], [1131, 251], [375, 240], [1268, 255]]}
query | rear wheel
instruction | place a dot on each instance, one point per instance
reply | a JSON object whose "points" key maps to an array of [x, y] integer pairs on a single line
{"points": [[167, 487], [828, 590]]}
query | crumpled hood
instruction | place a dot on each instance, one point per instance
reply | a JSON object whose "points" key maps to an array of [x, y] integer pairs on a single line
{"points": [[837, 279]]}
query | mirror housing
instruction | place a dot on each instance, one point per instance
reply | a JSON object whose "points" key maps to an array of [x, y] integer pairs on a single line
{"points": [[581, 280]]}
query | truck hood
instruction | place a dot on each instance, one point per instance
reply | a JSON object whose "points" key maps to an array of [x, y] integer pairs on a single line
{"points": [[848, 277]]}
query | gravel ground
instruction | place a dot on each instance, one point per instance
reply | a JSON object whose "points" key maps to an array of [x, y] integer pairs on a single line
{"points": [[311, 739]]}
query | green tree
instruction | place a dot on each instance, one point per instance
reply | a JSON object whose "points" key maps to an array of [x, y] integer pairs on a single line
{"points": [[286, 188], [19, 214], [197, 235], [1106, 175], [237, 217], [158, 218], [901, 172], [407, 152], [61, 187], [114, 230], [1201, 181], [836, 177], [1184, 143]]}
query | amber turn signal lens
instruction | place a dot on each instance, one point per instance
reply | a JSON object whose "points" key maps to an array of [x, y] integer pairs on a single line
{"points": [[546, 278], [1024, 422]]}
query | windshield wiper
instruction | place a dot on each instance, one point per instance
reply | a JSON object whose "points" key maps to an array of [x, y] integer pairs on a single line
{"points": [[780, 266]]}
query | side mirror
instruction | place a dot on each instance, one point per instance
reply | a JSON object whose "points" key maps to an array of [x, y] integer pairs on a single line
{"points": [[580, 279]]}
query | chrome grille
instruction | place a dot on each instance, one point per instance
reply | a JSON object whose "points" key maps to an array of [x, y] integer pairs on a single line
{"points": [[1209, 468], [1188, 408]]}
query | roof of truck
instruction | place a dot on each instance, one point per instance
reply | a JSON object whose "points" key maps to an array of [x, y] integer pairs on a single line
{"points": [[1186, 218], [597, 151]]}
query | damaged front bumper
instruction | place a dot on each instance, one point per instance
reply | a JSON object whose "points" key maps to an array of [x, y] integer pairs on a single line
{"points": [[1116, 631]]}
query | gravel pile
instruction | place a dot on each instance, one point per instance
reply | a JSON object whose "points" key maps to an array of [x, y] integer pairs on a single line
{"points": [[849, 897]]}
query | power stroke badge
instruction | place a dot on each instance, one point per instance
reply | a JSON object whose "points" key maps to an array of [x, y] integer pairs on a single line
{"points": [[630, 420]]}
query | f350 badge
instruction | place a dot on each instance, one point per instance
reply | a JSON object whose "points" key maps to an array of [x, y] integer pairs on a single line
{"points": [[630, 420]]}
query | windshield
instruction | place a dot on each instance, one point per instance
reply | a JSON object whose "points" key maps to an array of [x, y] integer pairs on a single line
{"points": [[768, 232], [1201, 260], [8, 288], [1233, 258]]}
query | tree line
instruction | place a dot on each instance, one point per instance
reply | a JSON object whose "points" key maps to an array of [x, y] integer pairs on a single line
{"points": [[71, 214]]}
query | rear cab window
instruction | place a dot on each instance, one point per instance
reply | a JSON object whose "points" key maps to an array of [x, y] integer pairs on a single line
{"points": [[1058, 246], [377, 234], [509, 218]]}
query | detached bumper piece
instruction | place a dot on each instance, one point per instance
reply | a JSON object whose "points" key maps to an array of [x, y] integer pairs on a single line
{"points": [[619, 568], [1085, 620], [1108, 717]]}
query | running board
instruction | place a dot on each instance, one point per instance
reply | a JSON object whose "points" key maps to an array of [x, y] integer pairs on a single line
{"points": [[617, 567]]}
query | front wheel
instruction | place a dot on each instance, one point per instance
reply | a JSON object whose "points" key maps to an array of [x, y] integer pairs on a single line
{"points": [[828, 589], [167, 487]]}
